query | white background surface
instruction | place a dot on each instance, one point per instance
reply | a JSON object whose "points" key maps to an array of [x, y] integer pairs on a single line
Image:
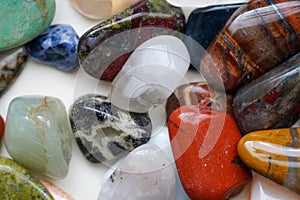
{"points": [[84, 178]]}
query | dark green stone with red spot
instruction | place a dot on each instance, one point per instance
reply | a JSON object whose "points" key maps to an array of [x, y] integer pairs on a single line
{"points": [[270, 101], [104, 49]]}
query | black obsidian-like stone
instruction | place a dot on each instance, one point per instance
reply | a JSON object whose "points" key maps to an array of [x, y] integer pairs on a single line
{"points": [[204, 24]]}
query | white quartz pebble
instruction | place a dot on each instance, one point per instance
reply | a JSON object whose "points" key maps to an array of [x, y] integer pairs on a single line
{"points": [[263, 188], [151, 74], [146, 174]]}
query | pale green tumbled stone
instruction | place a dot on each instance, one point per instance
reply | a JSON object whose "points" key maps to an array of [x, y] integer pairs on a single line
{"points": [[38, 135], [22, 21], [17, 183]]}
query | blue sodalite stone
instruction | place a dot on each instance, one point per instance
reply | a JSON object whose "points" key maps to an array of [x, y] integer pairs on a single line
{"points": [[204, 24], [57, 47]]}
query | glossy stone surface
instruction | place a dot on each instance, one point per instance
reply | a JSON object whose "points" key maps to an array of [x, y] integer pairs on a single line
{"points": [[104, 132], [2, 125], [56, 192], [205, 23], [95, 9], [11, 65], [272, 100], [198, 93], [57, 46], [22, 21], [146, 173], [204, 145], [258, 37], [273, 154], [104, 49], [17, 183], [263, 188], [38, 135], [150, 74], [200, 3]]}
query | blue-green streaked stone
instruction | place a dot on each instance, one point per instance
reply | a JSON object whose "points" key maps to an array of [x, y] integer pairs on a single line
{"points": [[17, 183], [38, 135], [22, 21]]}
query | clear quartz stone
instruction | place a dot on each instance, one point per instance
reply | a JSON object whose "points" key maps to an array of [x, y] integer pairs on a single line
{"points": [[151, 74], [146, 174]]}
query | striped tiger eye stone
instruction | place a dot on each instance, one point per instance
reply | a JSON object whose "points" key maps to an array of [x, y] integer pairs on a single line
{"points": [[274, 154], [198, 93], [258, 36]]}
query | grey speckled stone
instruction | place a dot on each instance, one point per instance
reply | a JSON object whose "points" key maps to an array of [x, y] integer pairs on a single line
{"points": [[103, 131]]}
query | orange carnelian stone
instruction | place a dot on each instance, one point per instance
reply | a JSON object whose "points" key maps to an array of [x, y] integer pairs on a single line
{"points": [[204, 144]]}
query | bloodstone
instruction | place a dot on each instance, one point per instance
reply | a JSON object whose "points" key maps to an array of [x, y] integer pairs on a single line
{"points": [[104, 49], [104, 132], [198, 93], [11, 65], [57, 46], [204, 145], [204, 24], [270, 101], [18, 183], [273, 154]]}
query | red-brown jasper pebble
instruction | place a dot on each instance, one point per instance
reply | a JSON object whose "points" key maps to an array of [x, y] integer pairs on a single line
{"points": [[1, 127], [217, 174], [198, 93]]}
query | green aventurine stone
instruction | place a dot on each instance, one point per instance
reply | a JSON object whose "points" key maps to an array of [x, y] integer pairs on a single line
{"points": [[17, 183], [38, 135], [21, 21]]}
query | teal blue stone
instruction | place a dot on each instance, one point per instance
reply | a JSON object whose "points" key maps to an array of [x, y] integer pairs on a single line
{"points": [[22, 21], [38, 135], [18, 183]]}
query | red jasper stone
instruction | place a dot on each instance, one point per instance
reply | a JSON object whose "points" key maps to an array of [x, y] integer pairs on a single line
{"points": [[204, 145], [198, 93], [1, 127]]}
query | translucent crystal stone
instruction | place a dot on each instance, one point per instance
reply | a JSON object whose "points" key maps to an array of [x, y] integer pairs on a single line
{"points": [[146, 173], [151, 74]]}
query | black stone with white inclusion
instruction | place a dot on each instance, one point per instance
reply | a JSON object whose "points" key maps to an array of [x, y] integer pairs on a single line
{"points": [[104, 132]]}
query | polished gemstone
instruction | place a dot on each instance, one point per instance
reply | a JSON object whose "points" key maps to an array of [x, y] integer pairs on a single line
{"points": [[104, 132], [56, 192], [146, 173], [273, 154], [1, 127], [101, 9], [199, 93], [150, 74], [38, 135], [17, 183], [263, 188], [11, 65], [57, 46], [204, 24], [204, 145], [270, 101], [22, 21], [104, 49]]}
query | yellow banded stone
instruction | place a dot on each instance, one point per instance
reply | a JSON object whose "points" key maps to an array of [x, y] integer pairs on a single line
{"points": [[274, 154]]}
